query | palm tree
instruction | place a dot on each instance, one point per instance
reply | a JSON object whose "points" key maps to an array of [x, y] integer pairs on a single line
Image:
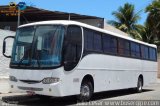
{"points": [[153, 19], [126, 20], [145, 32]]}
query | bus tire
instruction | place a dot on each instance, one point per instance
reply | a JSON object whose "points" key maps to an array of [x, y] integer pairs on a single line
{"points": [[86, 91], [139, 85]]}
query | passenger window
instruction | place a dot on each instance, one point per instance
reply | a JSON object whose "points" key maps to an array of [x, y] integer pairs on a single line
{"points": [[88, 39], [106, 43], [144, 52], [92, 40], [127, 48], [120, 46], [109, 44], [135, 50], [152, 54], [113, 45], [97, 42], [123, 47]]}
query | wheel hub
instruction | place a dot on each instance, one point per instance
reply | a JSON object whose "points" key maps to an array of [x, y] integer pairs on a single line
{"points": [[85, 91], [140, 86]]}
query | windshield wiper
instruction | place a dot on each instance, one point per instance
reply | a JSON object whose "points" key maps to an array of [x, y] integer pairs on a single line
{"points": [[28, 56], [37, 56], [20, 62]]}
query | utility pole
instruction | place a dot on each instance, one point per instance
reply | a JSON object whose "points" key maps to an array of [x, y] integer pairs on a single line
{"points": [[19, 17], [69, 17]]}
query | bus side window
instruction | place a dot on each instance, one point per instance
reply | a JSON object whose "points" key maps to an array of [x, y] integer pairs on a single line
{"points": [[109, 44], [152, 54], [144, 52], [121, 44], [88, 39], [97, 42], [106, 43], [135, 50], [127, 48], [123, 47]]}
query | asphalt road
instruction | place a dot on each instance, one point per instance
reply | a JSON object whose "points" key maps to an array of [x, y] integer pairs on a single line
{"points": [[151, 92]]}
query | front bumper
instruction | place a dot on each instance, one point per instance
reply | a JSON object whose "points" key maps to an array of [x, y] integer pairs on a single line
{"points": [[53, 89]]}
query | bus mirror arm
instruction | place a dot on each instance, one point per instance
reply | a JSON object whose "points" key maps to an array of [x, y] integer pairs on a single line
{"points": [[4, 46]]}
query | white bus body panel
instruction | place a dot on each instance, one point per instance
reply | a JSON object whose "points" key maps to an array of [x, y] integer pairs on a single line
{"points": [[108, 72], [114, 72]]}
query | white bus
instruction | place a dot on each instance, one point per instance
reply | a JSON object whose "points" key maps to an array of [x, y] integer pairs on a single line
{"points": [[63, 58]]}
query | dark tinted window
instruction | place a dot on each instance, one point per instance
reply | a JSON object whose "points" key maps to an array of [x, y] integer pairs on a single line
{"points": [[123, 47], [144, 52], [97, 44], [73, 47], [106, 43], [113, 44], [92, 40], [127, 48], [152, 54], [135, 50], [88, 39], [74, 34], [109, 44]]}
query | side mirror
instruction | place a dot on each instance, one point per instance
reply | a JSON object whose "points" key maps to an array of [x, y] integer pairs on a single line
{"points": [[4, 46]]}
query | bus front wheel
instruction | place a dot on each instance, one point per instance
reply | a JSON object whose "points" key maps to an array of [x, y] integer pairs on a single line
{"points": [[86, 91]]}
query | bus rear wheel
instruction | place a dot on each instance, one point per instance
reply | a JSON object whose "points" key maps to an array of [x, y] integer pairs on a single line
{"points": [[86, 91], [139, 85]]}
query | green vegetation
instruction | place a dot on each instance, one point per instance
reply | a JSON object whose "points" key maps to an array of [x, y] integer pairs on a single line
{"points": [[153, 20], [126, 21]]}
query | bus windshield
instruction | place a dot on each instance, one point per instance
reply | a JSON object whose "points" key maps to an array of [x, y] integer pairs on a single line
{"points": [[38, 46]]}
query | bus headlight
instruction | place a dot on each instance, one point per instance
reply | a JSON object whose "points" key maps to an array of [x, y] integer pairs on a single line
{"points": [[12, 78], [50, 80]]}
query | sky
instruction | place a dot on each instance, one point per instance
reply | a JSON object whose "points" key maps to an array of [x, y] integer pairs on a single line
{"points": [[99, 8]]}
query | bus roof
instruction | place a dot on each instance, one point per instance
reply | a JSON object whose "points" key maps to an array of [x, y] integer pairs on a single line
{"points": [[69, 22]]}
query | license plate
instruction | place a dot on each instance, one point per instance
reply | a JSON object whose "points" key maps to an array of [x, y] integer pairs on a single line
{"points": [[30, 92]]}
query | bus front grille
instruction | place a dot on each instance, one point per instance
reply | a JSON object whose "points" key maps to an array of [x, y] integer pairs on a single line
{"points": [[30, 81], [30, 88]]}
